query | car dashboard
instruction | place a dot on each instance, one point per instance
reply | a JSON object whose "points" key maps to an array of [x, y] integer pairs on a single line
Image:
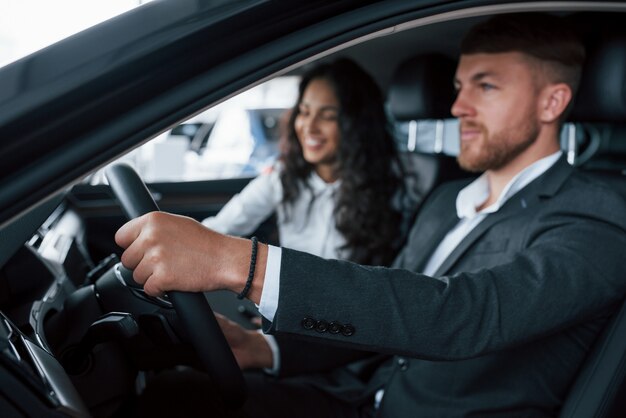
{"points": [[73, 335], [35, 281]]}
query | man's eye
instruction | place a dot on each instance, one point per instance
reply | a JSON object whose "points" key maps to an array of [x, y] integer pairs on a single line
{"points": [[487, 86]]}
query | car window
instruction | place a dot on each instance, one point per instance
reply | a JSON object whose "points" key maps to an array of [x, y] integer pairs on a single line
{"points": [[237, 138]]}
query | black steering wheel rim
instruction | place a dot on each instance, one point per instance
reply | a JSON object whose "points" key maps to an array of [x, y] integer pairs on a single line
{"points": [[193, 309]]}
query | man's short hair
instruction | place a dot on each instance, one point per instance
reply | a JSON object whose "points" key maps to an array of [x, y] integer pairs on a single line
{"points": [[545, 37]]}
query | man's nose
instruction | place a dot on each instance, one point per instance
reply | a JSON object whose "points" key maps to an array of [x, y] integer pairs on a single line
{"points": [[461, 106]]}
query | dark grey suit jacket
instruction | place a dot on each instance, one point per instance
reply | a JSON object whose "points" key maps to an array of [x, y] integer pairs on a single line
{"points": [[508, 319]]}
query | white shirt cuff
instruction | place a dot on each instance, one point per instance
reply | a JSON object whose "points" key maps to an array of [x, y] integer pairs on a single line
{"points": [[271, 341], [269, 295]]}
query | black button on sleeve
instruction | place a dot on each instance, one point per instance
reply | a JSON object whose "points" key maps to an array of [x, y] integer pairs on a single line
{"points": [[348, 330], [334, 327], [321, 326], [308, 323]]}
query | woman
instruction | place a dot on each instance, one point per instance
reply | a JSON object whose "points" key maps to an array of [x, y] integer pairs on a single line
{"points": [[337, 177], [333, 190]]}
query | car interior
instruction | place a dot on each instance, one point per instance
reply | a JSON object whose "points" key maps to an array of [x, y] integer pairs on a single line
{"points": [[599, 151], [76, 340]]}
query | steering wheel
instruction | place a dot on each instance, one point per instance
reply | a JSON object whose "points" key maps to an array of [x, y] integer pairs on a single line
{"points": [[193, 309]]}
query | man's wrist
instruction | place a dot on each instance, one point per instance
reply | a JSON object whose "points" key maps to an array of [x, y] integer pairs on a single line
{"points": [[251, 270], [235, 273], [256, 288]]}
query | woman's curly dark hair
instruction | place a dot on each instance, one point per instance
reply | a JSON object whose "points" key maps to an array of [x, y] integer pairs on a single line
{"points": [[368, 164]]}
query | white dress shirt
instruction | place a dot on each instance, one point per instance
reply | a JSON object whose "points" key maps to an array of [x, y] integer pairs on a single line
{"points": [[473, 196], [468, 199], [302, 226]]}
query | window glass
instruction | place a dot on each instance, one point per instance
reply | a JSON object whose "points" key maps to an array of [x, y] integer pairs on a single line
{"points": [[237, 138]]}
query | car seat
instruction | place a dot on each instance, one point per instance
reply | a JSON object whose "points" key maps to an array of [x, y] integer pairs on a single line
{"points": [[600, 388], [422, 89]]}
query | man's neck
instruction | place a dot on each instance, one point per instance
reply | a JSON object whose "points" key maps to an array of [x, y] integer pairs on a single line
{"points": [[498, 179]]}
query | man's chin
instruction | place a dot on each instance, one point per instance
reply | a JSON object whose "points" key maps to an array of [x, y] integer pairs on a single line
{"points": [[473, 165]]}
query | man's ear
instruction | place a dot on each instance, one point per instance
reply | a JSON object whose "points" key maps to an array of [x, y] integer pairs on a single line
{"points": [[554, 101]]}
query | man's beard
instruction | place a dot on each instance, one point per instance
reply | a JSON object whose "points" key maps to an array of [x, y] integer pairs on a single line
{"points": [[497, 150]]}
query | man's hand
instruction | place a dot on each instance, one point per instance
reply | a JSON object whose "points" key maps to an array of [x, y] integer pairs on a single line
{"points": [[249, 347], [171, 252]]}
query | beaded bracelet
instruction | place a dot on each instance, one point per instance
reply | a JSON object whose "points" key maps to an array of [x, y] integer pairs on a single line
{"points": [[246, 289]]}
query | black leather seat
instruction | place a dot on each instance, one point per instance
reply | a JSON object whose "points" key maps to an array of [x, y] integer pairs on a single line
{"points": [[600, 388], [422, 89]]}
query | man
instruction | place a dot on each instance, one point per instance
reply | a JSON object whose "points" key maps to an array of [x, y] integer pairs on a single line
{"points": [[521, 267]]}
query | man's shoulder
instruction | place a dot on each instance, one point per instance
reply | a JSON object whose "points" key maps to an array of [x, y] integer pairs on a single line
{"points": [[599, 192], [611, 185]]}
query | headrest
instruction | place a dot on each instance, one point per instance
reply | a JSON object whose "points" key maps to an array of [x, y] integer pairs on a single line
{"points": [[602, 93], [422, 88]]}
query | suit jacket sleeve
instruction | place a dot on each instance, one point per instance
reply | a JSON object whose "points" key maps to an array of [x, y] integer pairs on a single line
{"points": [[565, 267]]}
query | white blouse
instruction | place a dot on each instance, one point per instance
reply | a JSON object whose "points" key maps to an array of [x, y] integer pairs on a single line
{"points": [[304, 228]]}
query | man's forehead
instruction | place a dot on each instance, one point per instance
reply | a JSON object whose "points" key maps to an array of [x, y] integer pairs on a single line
{"points": [[492, 64]]}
